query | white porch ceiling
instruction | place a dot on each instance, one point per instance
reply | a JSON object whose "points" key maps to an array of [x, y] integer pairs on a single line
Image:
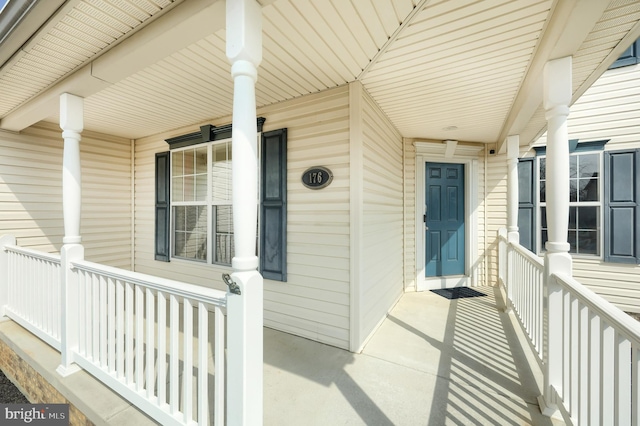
{"points": [[440, 69]]}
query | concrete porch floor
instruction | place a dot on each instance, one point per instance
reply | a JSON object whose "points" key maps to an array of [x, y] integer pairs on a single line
{"points": [[433, 361]]}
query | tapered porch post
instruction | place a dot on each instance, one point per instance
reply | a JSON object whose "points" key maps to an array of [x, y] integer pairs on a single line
{"points": [[72, 124], [245, 360], [556, 98], [513, 150]]}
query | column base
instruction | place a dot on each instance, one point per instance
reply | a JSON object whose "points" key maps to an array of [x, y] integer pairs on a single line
{"points": [[546, 408], [68, 370]]}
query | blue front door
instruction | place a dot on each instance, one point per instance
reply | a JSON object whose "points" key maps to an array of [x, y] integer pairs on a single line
{"points": [[444, 219]]}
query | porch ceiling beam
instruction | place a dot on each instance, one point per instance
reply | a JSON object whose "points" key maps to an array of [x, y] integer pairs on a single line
{"points": [[570, 24], [187, 23]]}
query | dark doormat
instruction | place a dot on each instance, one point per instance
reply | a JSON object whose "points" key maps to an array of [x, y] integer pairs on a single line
{"points": [[458, 292]]}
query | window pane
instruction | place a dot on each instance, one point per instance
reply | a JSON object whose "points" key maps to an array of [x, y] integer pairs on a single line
{"points": [[572, 241], [588, 218], [589, 190], [201, 187], [588, 242], [589, 165], [179, 220], [190, 240], [189, 188], [189, 162], [201, 160], [573, 190], [224, 246], [221, 172], [573, 166], [543, 217], [176, 163], [177, 189], [543, 168], [543, 191], [572, 217]]}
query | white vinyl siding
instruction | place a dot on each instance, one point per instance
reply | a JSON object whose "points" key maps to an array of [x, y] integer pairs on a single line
{"points": [[31, 192], [496, 204], [314, 302], [381, 280], [609, 110], [409, 158]]}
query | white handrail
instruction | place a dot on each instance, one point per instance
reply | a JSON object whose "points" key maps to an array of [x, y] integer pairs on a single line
{"points": [[623, 323], [48, 257], [180, 289]]}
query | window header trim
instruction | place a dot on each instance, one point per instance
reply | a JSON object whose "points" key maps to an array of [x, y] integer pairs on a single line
{"points": [[207, 133], [575, 146]]}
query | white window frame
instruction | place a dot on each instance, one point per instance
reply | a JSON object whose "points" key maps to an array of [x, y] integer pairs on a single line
{"points": [[209, 203], [600, 204]]}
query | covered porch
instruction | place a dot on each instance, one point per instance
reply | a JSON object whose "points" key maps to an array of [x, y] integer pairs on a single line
{"points": [[140, 296], [429, 363]]}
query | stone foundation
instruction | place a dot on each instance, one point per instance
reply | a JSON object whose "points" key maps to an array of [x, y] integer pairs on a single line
{"points": [[34, 386]]}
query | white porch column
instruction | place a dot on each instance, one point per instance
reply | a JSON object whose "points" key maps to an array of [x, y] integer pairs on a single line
{"points": [[556, 98], [72, 124], [245, 310], [513, 150]]}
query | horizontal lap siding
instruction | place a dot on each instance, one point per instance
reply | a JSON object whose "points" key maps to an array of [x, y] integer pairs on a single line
{"points": [[496, 211], [314, 302], [31, 192], [409, 214], [609, 110], [382, 231]]}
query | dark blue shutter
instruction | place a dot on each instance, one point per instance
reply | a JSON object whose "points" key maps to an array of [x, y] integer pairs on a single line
{"points": [[527, 202], [273, 205], [621, 206], [162, 207]]}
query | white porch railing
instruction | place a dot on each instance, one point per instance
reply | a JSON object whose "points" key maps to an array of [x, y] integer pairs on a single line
{"points": [[522, 276], [147, 338], [33, 294], [598, 349]]}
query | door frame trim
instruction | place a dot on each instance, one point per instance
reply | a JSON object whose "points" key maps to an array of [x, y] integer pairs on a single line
{"points": [[448, 152]]}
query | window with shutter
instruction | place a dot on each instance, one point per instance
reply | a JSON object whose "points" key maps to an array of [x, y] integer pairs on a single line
{"points": [[193, 199]]}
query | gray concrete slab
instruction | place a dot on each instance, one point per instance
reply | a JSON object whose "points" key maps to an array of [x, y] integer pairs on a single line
{"points": [[433, 361]]}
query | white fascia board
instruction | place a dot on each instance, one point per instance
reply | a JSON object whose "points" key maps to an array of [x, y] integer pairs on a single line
{"points": [[187, 23]]}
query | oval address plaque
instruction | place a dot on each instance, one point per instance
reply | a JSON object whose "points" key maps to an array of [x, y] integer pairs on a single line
{"points": [[317, 177]]}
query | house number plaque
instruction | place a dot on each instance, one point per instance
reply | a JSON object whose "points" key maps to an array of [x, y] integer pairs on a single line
{"points": [[317, 177]]}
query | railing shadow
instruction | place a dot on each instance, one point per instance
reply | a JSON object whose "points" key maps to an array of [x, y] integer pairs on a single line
{"points": [[482, 375]]}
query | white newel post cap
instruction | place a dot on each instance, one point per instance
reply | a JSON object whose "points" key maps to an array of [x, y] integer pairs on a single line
{"points": [[244, 31], [71, 112], [557, 83]]}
